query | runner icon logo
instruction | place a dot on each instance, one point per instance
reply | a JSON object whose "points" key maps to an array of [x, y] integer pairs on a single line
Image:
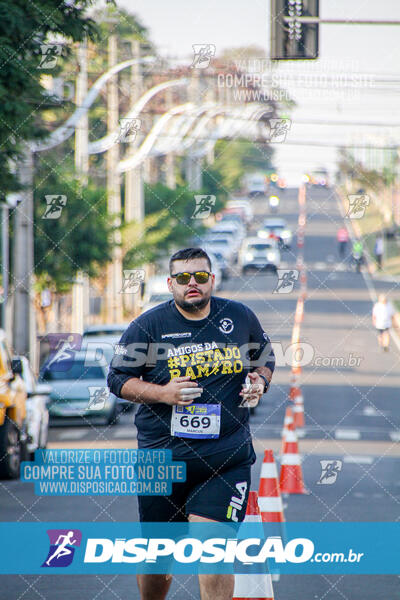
{"points": [[330, 471], [62, 547]]}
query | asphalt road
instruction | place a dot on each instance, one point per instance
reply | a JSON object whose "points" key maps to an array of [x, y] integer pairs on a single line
{"points": [[351, 413]]}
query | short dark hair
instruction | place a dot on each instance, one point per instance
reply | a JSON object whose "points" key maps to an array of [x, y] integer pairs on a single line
{"points": [[188, 254]]}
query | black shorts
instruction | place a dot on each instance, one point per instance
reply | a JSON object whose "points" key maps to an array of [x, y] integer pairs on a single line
{"points": [[383, 330], [216, 487]]}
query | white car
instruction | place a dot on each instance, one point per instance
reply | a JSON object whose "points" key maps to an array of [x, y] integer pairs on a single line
{"points": [[259, 254], [256, 184], [235, 230], [155, 292], [242, 205], [218, 262], [216, 269], [37, 414], [279, 229], [220, 244]]}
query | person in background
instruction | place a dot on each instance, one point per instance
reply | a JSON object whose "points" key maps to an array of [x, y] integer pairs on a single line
{"points": [[358, 254], [378, 250], [382, 318], [342, 237]]}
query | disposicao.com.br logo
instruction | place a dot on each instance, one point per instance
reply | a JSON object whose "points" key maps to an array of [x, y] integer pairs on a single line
{"points": [[193, 550]]}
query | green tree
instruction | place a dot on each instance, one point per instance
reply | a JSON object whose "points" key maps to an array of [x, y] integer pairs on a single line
{"points": [[28, 31], [233, 159], [168, 224], [80, 236]]}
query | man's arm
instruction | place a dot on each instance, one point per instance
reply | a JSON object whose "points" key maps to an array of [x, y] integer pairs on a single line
{"points": [[144, 392], [137, 390]]}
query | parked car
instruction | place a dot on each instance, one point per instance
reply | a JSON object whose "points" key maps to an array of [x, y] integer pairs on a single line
{"points": [[259, 254], [79, 387], [277, 228], [13, 435], [37, 414], [108, 330]]}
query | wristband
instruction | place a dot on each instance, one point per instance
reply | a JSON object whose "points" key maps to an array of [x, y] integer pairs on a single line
{"points": [[266, 382]]}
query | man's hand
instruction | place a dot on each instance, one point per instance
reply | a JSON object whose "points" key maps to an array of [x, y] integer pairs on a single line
{"points": [[251, 393], [177, 391]]}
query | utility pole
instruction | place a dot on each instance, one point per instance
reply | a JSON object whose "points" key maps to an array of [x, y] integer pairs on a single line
{"points": [[4, 263], [169, 163], [193, 173], [134, 200], [134, 189], [24, 330], [80, 288], [114, 269]]}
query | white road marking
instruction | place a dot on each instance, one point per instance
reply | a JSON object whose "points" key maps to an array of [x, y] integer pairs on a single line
{"points": [[347, 434], [370, 411], [73, 434], [359, 459]]}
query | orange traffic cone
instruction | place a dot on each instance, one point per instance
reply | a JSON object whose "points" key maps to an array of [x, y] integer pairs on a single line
{"points": [[291, 476], [298, 410], [269, 495], [288, 420], [294, 392], [295, 334], [257, 586], [303, 281], [298, 317]]}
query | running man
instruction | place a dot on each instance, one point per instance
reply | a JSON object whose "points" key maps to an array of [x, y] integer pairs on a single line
{"points": [[200, 347], [342, 237], [62, 549], [382, 318], [378, 250]]}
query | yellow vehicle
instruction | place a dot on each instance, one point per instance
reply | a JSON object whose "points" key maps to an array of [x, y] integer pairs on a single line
{"points": [[13, 438]]}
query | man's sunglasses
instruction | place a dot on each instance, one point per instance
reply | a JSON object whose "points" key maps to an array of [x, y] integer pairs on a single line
{"points": [[199, 277]]}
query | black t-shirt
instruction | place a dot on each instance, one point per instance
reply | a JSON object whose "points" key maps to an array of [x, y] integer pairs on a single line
{"points": [[217, 352]]}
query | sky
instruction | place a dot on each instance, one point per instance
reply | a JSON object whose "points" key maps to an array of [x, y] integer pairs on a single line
{"points": [[326, 116]]}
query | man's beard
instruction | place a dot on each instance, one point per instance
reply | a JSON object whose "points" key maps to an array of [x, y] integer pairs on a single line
{"points": [[195, 306]]}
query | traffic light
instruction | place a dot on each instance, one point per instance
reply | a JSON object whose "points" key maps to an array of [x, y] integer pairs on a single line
{"points": [[291, 39]]}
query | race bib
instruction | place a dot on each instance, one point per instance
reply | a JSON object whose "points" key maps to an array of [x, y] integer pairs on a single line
{"points": [[196, 421]]}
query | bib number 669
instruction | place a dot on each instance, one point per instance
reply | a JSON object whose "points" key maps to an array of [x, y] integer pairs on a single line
{"points": [[195, 422]]}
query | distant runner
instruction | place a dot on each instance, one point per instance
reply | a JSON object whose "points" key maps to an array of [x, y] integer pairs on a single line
{"points": [[382, 318], [378, 250], [358, 254], [342, 237], [193, 399]]}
